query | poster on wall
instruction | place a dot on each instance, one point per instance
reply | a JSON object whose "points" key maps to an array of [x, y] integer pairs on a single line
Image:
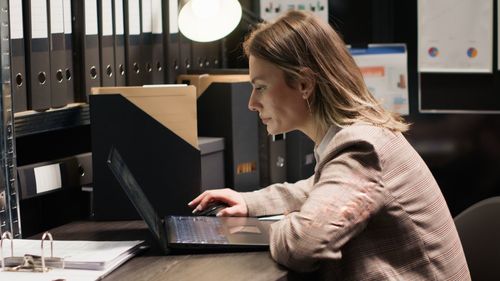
{"points": [[455, 36], [385, 71], [270, 10]]}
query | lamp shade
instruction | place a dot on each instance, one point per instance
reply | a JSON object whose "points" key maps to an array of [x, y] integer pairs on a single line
{"points": [[209, 20]]}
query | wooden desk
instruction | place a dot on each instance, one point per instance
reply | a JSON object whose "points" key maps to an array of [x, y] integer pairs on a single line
{"points": [[150, 265]]}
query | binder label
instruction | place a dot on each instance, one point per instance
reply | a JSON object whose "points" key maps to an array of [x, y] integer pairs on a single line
{"points": [[107, 18], [39, 28], [91, 17], [119, 29], [173, 14], [16, 19], [67, 16], [47, 178], [146, 16], [56, 16], [157, 17], [134, 17]]}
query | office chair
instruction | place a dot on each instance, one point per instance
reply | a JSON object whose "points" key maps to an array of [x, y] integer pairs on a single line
{"points": [[479, 230]]}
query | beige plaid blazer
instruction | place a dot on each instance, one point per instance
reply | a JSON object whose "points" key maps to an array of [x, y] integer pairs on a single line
{"points": [[372, 211]]}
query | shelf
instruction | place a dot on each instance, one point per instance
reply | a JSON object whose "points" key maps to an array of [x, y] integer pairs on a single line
{"points": [[35, 122]]}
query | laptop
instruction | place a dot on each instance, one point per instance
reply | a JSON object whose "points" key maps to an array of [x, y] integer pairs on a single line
{"points": [[190, 232]]}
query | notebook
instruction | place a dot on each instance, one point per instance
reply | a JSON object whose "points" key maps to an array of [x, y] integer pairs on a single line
{"points": [[190, 232]]}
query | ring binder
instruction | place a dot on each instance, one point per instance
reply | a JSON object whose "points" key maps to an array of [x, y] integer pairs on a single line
{"points": [[30, 262]]}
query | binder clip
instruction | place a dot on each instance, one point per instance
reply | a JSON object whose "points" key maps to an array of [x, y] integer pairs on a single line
{"points": [[29, 262]]}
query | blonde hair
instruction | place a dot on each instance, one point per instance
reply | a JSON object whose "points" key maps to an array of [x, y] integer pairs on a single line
{"points": [[304, 46]]}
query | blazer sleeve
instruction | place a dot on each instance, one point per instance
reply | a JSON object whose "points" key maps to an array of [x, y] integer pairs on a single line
{"points": [[280, 198], [348, 192]]}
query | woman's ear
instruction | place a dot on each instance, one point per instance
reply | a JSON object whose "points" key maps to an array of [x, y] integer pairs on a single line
{"points": [[307, 84]]}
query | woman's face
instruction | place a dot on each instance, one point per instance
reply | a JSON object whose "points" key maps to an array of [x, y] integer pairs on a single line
{"points": [[281, 108]]}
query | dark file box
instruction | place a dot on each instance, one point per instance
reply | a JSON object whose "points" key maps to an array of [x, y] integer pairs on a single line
{"points": [[165, 165], [119, 43], [74, 172]]}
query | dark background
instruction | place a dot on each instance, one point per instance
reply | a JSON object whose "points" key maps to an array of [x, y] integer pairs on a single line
{"points": [[461, 149]]}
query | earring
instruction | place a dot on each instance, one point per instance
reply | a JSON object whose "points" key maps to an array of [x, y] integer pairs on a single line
{"points": [[308, 105]]}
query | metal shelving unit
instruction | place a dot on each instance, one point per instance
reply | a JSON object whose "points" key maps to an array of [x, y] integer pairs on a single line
{"points": [[9, 200]]}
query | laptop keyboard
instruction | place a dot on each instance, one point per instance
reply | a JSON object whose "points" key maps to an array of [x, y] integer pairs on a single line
{"points": [[204, 230]]}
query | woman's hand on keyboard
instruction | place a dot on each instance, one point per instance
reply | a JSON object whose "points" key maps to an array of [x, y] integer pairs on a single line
{"points": [[236, 204]]}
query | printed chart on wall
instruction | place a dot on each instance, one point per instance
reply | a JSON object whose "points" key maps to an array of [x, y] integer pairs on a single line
{"points": [[384, 69], [455, 36]]}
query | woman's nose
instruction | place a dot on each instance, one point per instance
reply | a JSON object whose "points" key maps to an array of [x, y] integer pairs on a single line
{"points": [[252, 104]]}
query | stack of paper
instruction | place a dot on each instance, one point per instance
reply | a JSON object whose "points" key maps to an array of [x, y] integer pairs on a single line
{"points": [[83, 260]]}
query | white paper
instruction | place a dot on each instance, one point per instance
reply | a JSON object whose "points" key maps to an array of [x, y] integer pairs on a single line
{"points": [[157, 17], [56, 16], [146, 16], [107, 17], [384, 69], [113, 254], [173, 16], [134, 17], [16, 19], [67, 16], [47, 178], [119, 29], [455, 35], [39, 28], [91, 17]]}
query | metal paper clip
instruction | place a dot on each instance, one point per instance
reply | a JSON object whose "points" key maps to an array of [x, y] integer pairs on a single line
{"points": [[28, 262]]}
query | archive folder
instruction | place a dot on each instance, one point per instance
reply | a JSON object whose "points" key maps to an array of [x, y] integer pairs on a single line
{"points": [[17, 61], [158, 58], [206, 55], [119, 43], [58, 92], [172, 41], [133, 43], [38, 59], [223, 112], [106, 42], [146, 42], [87, 46], [156, 131], [68, 41]]}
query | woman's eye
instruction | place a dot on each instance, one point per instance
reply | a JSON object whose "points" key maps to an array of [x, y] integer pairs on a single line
{"points": [[259, 89]]}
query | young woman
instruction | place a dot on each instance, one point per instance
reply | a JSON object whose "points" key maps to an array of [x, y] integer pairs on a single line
{"points": [[372, 210]]}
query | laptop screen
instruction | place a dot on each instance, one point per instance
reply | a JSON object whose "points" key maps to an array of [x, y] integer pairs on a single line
{"points": [[136, 195]]}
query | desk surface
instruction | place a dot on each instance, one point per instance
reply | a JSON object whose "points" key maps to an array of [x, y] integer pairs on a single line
{"points": [[152, 266]]}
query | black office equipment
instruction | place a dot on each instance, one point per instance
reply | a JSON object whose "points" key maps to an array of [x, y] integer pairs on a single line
{"points": [[300, 156], [189, 232], [119, 43], [133, 43], [37, 54], [185, 54], [18, 70], [68, 41], [223, 112], [155, 129], [57, 53], [158, 47], [172, 34], [86, 44], [106, 43], [272, 157]]}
